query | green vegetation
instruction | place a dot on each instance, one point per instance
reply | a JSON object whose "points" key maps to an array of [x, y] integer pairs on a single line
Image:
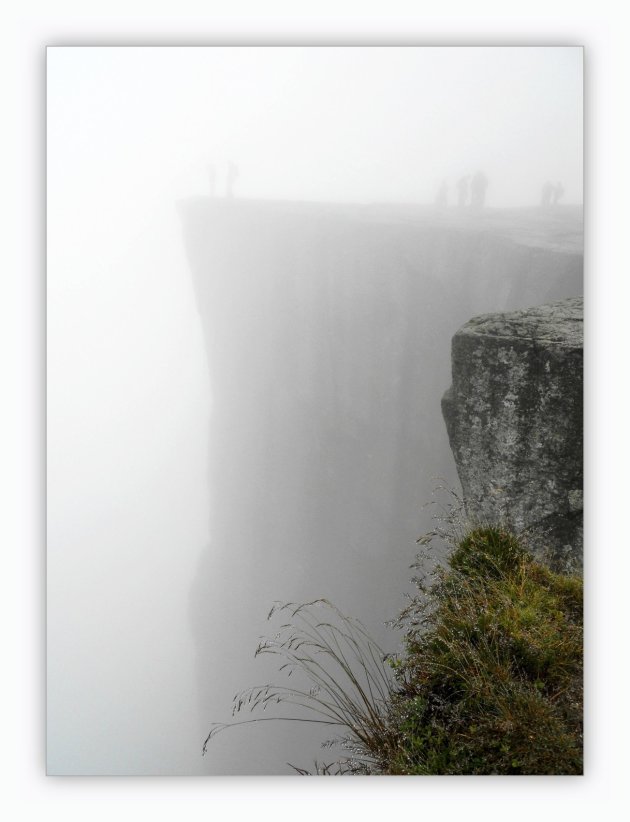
{"points": [[490, 680]]}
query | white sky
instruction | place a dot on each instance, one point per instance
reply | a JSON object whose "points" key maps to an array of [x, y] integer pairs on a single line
{"points": [[317, 123]]}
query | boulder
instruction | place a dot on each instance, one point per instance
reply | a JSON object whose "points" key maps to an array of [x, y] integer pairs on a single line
{"points": [[514, 421]]}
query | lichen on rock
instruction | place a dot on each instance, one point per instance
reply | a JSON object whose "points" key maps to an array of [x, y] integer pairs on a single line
{"points": [[514, 420]]}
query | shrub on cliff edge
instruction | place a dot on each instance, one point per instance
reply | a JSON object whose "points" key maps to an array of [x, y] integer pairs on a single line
{"points": [[490, 680]]}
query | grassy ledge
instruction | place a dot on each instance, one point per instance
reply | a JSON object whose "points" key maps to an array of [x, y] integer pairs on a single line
{"points": [[489, 680]]}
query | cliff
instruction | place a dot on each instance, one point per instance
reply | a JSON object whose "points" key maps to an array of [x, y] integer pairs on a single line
{"points": [[328, 337], [327, 330], [514, 420]]}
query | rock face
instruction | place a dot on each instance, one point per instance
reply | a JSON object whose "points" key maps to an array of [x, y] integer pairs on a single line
{"points": [[328, 329], [514, 421]]}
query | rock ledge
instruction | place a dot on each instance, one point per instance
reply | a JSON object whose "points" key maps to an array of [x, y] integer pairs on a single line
{"points": [[514, 421]]}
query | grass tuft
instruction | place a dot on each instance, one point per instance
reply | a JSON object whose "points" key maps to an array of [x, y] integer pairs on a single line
{"points": [[492, 672], [489, 682]]}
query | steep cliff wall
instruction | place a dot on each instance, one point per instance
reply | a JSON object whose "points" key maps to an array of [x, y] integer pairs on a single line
{"points": [[514, 420], [328, 334]]}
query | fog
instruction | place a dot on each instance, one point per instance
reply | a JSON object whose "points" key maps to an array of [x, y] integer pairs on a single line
{"points": [[243, 393]]}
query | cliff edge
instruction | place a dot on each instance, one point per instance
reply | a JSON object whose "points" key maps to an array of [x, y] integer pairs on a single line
{"points": [[514, 421]]}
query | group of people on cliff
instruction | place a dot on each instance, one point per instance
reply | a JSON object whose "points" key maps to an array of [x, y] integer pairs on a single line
{"points": [[471, 191]]}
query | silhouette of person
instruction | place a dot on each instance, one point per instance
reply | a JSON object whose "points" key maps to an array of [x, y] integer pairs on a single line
{"points": [[462, 190], [558, 191], [547, 192], [212, 179], [441, 201], [232, 174], [478, 187]]}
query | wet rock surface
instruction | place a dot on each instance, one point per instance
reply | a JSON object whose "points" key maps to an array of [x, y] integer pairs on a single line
{"points": [[514, 421]]}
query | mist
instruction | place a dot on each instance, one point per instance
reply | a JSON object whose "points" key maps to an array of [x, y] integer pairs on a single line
{"points": [[243, 393]]}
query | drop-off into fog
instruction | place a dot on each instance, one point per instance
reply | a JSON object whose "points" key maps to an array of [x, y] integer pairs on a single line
{"points": [[257, 258]]}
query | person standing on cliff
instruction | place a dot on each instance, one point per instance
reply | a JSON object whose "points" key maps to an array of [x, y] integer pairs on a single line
{"points": [[232, 174], [478, 188], [558, 191], [462, 190], [547, 192]]}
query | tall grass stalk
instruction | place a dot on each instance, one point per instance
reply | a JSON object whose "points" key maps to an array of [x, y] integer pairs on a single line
{"points": [[350, 683]]}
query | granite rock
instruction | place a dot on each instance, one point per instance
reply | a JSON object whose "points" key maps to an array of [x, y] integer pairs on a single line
{"points": [[514, 421]]}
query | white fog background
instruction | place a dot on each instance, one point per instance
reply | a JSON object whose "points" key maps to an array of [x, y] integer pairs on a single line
{"points": [[131, 133]]}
